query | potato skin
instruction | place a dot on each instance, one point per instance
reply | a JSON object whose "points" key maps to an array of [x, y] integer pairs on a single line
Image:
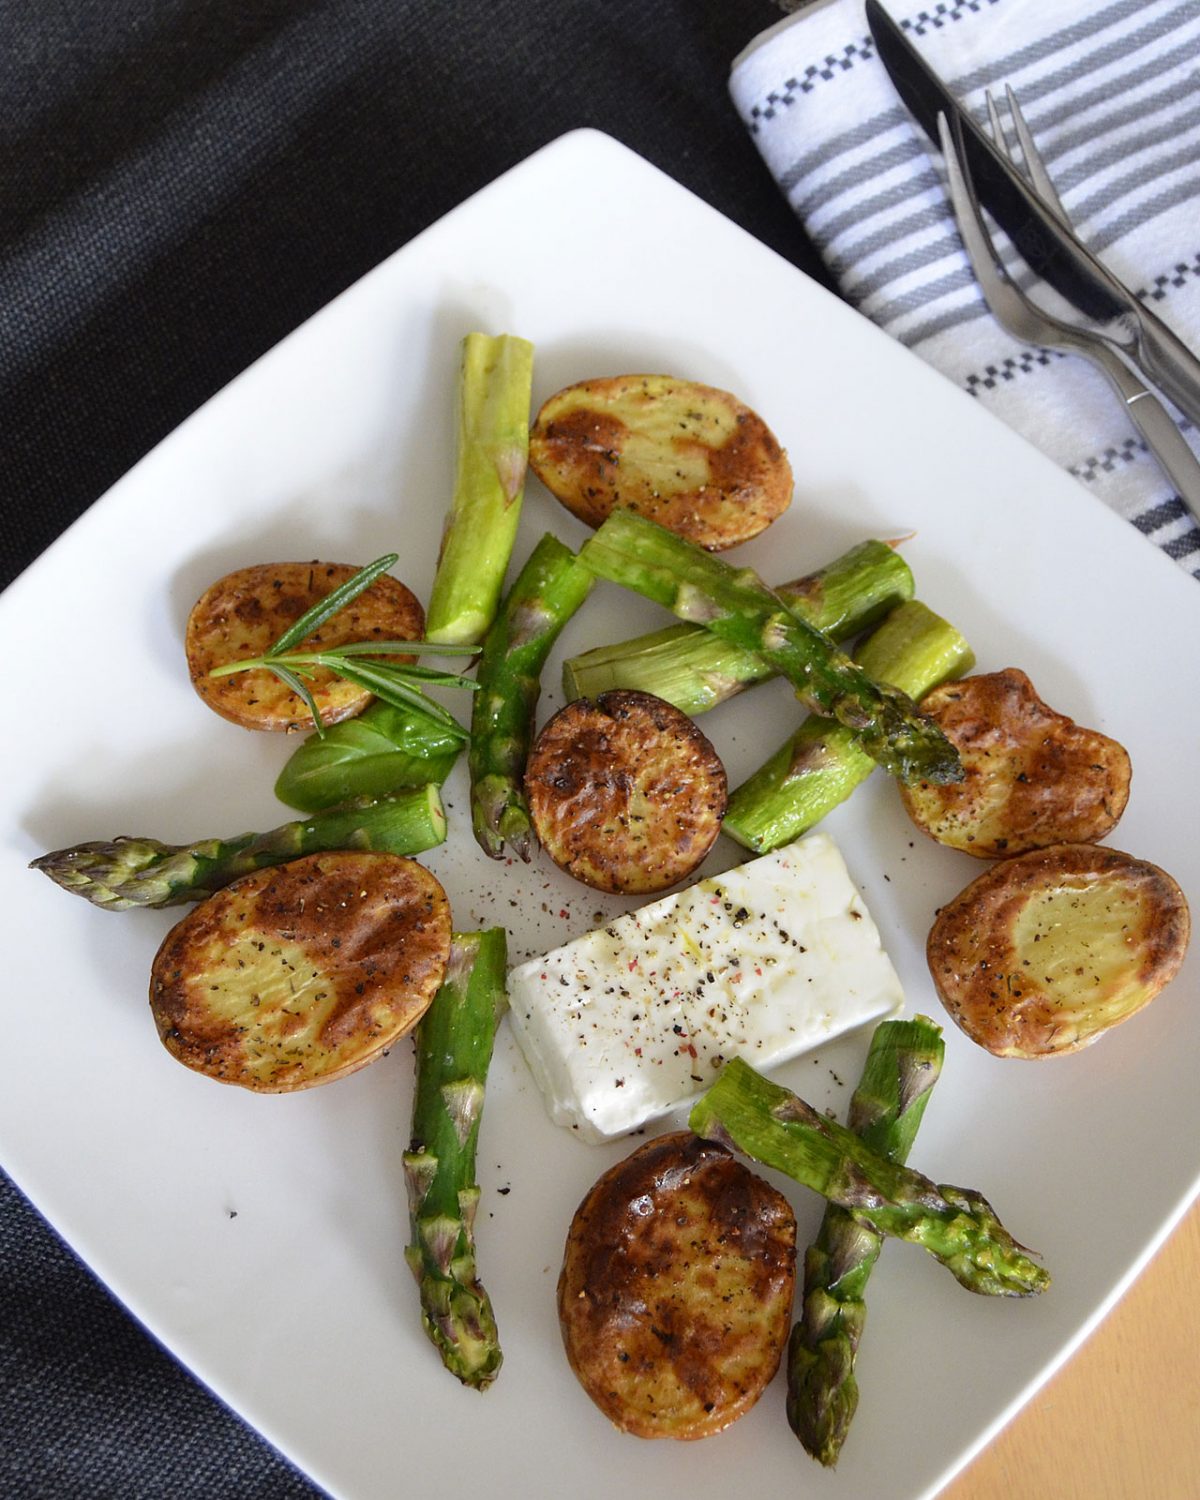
{"points": [[625, 792], [1033, 776], [676, 1289], [298, 974], [688, 456], [1044, 952], [245, 613]]}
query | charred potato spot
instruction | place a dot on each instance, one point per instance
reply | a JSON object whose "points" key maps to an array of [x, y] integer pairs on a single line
{"points": [[296, 975], [1033, 777], [1044, 952], [625, 793], [245, 613], [688, 456], [676, 1289]]}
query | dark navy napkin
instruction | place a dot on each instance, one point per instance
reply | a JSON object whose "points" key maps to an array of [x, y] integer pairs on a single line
{"points": [[183, 182]]}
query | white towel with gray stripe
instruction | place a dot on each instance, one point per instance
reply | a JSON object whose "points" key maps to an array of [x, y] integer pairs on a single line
{"points": [[1111, 89]]}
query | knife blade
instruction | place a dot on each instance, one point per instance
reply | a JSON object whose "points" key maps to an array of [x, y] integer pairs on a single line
{"points": [[1048, 246]]}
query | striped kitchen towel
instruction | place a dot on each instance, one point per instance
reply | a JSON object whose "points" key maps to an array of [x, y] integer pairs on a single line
{"points": [[1111, 89]]}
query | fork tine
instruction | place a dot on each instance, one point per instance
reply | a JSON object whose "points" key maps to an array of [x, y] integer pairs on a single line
{"points": [[1033, 159], [981, 252], [999, 134]]}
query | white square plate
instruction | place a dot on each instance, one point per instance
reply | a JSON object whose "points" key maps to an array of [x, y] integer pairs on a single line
{"points": [[261, 1238]]}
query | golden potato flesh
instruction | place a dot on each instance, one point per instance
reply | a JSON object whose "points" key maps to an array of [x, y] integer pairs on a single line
{"points": [[296, 975], [1044, 952], [625, 793], [676, 1289], [246, 612], [1033, 777], [688, 456]]}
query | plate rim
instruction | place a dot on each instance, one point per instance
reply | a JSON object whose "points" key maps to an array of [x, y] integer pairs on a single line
{"points": [[12, 598]]}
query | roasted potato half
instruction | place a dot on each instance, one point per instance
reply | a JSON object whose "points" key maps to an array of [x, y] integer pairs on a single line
{"points": [[625, 793], [690, 457], [1033, 777], [1045, 951], [676, 1289], [245, 613], [296, 975]]}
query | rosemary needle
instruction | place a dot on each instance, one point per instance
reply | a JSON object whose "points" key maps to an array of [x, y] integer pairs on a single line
{"points": [[397, 683]]}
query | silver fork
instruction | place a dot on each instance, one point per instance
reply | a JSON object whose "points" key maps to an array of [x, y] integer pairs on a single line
{"points": [[1034, 165], [1031, 324]]}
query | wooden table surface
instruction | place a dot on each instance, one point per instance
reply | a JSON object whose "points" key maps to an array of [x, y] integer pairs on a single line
{"points": [[1121, 1420]]}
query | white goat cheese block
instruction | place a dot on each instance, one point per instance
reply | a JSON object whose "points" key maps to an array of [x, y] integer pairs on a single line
{"points": [[763, 962]]}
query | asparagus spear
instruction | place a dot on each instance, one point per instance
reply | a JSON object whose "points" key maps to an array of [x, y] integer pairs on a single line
{"points": [[549, 589], [386, 747], [737, 606], [696, 670], [903, 1064], [454, 1048], [495, 379], [145, 872], [822, 763], [956, 1225]]}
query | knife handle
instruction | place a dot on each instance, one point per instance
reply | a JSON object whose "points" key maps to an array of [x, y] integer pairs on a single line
{"points": [[1156, 425], [1167, 362]]}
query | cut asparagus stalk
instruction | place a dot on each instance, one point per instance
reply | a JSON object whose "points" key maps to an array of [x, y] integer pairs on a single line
{"points": [[903, 1064], [495, 381], [822, 763], [769, 1124], [145, 872], [695, 670], [383, 749], [549, 589], [737, 606], [454, 1049]]}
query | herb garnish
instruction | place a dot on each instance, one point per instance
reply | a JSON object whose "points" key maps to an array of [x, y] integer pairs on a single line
{"points": [[397, 683]]}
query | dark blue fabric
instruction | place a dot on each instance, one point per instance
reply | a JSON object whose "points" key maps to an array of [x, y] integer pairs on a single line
{"points": [[182, 182]]}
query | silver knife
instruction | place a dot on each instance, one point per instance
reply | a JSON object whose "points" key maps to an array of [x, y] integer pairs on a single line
{"points": [[1049, 246]]}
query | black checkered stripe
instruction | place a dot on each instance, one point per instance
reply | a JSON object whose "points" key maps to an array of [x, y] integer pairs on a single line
{"points": [[856, 53], [1115, 456], [1163, 514], [1167, 512], [829, 68], [1009, 368], [1179, 275], [1107, 462], [1001, 371]]}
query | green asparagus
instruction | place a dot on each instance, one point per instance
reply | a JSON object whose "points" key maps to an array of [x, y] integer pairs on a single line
{"points": [[695, 670], [494, 386], [549, 589], [903, 1064], [737, 606], [822, 763], [744, 1110], [454, 1048], [383, 749], [145, 872]]}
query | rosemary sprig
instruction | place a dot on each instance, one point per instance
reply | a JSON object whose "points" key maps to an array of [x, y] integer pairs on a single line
{"points": [[399, 684]]}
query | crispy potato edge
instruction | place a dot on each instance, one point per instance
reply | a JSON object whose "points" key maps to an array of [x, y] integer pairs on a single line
{"points": [[676, 1289], [635, 441], [626, 793], [243, 613], [987, 978], [1034, 776], [302, 973]]}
